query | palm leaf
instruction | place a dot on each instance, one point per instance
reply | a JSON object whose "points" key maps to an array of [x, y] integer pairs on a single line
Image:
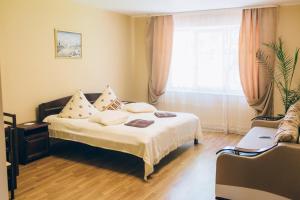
{"points": [[294, 64], [264, 61], [285, 68]]}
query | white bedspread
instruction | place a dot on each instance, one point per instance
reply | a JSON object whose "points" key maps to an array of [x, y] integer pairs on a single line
{"points": [[151, 143]]}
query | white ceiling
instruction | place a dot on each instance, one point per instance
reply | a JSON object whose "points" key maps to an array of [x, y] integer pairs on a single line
{"points": [[142, 7]]}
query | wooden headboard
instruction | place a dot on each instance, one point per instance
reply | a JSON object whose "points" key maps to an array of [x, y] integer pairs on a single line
{"points": [[55, 106]]}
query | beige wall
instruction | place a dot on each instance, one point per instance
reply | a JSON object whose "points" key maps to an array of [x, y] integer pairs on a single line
{"points": [[31, 74], [141, 70], [288, 28]]}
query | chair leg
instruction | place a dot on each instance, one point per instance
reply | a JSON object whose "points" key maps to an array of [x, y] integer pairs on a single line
{"points": [[12, 194], [196, 141], [12, 184], [221, 198]]}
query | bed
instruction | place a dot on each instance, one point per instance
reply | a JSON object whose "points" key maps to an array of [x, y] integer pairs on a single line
{"points": [[150, 144]]}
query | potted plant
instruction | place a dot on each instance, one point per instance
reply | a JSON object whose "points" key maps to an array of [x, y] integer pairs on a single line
{"points": [[282, 72]]}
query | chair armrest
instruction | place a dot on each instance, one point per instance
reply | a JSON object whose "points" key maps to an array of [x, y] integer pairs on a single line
{"points": [[265, 123], [237, 150], [266, 172], [289, 145]]}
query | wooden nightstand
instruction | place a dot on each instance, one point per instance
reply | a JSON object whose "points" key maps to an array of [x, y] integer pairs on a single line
{"points": [[33, 140]]}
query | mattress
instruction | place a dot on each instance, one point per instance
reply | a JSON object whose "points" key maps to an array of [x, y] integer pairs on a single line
{"points": [[151, 143]]}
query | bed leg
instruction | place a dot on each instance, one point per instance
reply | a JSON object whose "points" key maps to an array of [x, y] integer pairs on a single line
{"points": [[220, 198], [196, 141]]}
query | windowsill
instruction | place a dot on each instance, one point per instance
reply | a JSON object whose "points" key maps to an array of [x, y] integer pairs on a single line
{"points": [[205, 92]]}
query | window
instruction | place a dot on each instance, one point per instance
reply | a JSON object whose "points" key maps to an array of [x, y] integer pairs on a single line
{"points": [[205, 56], [204, 73]]}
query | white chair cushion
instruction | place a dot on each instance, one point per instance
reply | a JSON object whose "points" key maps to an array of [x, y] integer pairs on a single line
{"points": [[258, 138]]}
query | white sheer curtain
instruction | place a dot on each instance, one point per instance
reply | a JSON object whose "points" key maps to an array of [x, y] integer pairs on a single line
{"points": [[204, 76]]}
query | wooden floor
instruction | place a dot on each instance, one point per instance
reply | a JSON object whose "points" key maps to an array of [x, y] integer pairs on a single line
{"points": [[75, 171]]}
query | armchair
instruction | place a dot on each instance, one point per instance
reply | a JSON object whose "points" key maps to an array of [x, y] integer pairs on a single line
{"points": [[258, 167]]}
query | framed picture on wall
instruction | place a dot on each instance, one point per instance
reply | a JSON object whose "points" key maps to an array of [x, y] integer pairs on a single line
{"points": [[67, 44]]}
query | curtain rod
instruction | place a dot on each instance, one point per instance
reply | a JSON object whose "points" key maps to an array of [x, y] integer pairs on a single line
{"points": [[199, 11]]}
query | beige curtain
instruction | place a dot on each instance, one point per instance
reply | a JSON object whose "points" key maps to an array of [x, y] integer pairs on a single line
{"points": [[258, 27], [160, 44]]}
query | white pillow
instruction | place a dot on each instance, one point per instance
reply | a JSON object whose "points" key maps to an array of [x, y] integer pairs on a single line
{"points": [[78, 107], [139, 107], [110, 117], [108, 100]]}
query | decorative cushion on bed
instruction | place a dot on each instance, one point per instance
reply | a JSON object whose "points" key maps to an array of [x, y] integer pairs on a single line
{"points": [[108, 100], [110, 117], [78, 107], [288, 128], [139, 107]]}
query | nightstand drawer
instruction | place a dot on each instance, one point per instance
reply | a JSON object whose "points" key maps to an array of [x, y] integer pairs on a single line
{"points": [[34, 132], [33, 141], [36, 146]]}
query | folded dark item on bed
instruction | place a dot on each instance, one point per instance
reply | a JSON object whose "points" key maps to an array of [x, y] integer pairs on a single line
{"points": [[164, 114], [140, 123]]}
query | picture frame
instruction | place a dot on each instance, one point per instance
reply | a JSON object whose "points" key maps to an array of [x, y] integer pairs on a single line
{"points": [[67, 44]]}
